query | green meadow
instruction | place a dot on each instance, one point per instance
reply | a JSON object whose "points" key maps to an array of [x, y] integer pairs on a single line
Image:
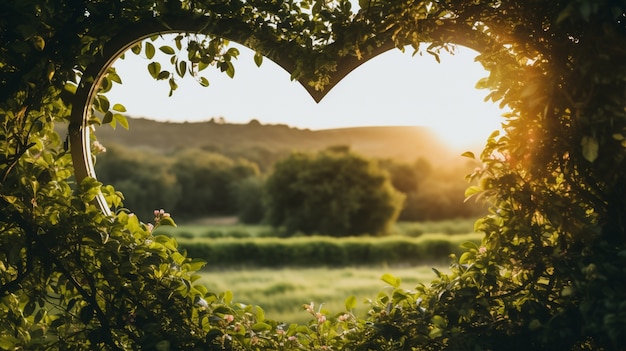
{"points": [[282, 274], [282, 292]]}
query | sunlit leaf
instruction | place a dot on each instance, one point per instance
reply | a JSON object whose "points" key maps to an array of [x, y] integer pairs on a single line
{"points": [[121, 119], [260, 314], [350, 303], [167, 221], [119, 108], [468, 154], [472, 190], [470, 245], [259, 327], [391, 280]]}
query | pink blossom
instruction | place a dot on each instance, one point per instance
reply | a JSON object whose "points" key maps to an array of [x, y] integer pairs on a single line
{"points": [[344, 317], [229, 318], [482, 250]]}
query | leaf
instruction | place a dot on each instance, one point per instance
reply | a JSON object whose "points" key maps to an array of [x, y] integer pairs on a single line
{"points": [[234, 52], [230, 69], [104, 103], [258, 59], [121, 119], [203, 81], [260, 314], [590, 148], [119, 108], [150, 51], [182, 68], [173, 85], [435, 333], [470, 245], [468, 154], [136, 49], [39, 43], [228, 296], [350, 303], [391, 280], [472, 190], [154, 68], [108, 117], [167, 50], [439, 321], [163, 75], [259, 327]]}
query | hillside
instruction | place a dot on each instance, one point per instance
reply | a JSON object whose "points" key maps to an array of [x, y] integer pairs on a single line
{"points": [[402, 143]]}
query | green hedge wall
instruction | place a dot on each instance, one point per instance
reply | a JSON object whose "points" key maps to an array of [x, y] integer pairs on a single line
{"points": [[324, 251]]}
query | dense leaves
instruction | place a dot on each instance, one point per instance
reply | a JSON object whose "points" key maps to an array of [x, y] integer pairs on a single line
{"points": [[548, 275], [197, 183], [334, 192]]}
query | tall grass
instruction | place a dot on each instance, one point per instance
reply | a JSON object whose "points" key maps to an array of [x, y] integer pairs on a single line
{"points": [[282, 292]]}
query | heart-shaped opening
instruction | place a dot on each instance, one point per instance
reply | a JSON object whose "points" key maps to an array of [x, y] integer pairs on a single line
{"points": [[79, 134], [386, 60]]}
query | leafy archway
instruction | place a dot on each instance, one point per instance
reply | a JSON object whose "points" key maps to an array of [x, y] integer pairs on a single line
{"points": [[548, 275]]}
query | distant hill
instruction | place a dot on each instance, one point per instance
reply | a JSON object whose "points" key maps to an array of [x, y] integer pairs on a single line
{"points": [[402, 143]]}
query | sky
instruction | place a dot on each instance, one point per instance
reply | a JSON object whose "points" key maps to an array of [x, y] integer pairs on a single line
{"points": [[395, 88]]}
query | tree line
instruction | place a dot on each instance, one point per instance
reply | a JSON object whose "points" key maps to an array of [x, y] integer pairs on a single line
{"points": [[196, 183]]}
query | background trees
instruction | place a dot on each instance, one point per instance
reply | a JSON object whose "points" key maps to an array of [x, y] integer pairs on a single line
{"points": [[334, 192], [213, 181]]}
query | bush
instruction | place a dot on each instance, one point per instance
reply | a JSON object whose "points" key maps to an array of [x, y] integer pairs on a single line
{"points": [[334, 193]]}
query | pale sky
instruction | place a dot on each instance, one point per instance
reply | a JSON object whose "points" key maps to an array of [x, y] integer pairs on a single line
{"points": [[394, 88]]}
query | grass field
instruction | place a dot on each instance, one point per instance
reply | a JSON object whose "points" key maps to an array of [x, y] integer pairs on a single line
{"points": [[281, 293]]}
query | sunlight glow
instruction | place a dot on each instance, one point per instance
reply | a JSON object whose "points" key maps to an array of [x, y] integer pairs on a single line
{"points": [[394, 88]]}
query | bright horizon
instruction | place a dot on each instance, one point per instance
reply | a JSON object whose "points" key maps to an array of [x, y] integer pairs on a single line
{"points": [[393, 89]]}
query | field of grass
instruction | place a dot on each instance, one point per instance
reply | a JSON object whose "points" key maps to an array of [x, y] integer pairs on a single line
{"points": [[281, 293]]}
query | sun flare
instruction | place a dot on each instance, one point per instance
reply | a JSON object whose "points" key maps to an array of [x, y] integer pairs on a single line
{"points": [[394, 89]]}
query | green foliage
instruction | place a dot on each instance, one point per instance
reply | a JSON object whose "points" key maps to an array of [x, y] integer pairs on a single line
{"points": [[316, 251], [147, 182], [335, 193], [209, 182], [192, 182]]}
